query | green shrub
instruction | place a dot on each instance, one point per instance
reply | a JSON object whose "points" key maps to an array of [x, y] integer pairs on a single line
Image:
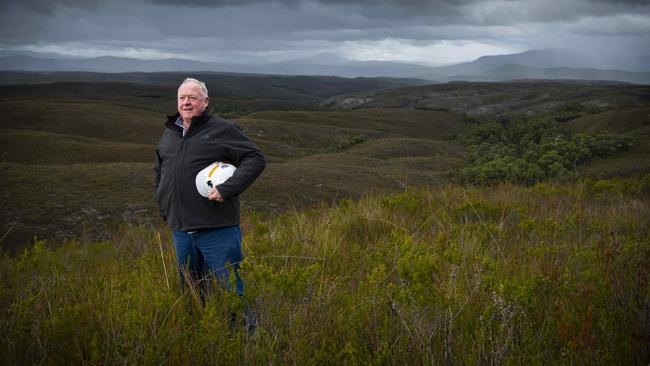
{"points": [[347, 141], [529, 150]]}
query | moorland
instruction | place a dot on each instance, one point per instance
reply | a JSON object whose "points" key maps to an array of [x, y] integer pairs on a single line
{"points": [[76, 149], [397, 222]]}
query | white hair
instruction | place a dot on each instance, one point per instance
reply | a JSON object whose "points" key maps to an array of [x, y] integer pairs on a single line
{"points": [[204, 89]]}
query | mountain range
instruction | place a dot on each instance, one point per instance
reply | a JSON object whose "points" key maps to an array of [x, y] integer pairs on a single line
{"points": [[532, 64]]}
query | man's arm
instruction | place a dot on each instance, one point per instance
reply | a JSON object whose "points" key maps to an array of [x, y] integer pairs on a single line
{"points": [[248, 159]]}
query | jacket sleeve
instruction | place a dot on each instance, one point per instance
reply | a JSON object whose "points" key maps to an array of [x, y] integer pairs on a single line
{"points": [[156, 170], [157, 176], [246, 157]]}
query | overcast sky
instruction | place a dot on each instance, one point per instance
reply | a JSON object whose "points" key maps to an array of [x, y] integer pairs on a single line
{"points": [[419, 31]]}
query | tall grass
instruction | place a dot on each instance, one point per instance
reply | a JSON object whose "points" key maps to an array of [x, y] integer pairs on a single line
{"points": [[549, 274]]}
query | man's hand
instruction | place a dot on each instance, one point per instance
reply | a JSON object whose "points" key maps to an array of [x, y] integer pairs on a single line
{"points": [[214, 195]]}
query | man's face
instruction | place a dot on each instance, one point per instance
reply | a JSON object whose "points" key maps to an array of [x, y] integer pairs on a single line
{"points": [[191, 101]]}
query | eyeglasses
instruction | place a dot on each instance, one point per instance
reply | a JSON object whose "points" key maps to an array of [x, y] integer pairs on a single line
{"points": [[192, 98]]}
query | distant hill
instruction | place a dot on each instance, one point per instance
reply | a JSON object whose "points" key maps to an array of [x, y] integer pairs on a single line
{"points": [[536, 64], [76, 158], [329, 64], [510, 72], [545, 64], [324, 66], [103, 64], [249, 91], [552, 58], [515, 71], [495, 98], [64, 144]]}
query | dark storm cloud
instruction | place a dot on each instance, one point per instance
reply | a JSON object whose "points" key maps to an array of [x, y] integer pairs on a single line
{"points": [[283, 28], [49, 7], [428, 12], [396, 7], [365, 3], [419, 4]]}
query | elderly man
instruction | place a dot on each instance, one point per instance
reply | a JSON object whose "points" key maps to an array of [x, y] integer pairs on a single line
{"points": [[205, 231]]}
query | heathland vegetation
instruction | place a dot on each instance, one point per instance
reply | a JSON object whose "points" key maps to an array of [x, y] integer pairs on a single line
{"points": [[461, 223], [548, 274]]}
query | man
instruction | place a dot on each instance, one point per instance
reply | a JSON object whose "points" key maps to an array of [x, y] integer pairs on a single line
{"points": [[205, 231]]}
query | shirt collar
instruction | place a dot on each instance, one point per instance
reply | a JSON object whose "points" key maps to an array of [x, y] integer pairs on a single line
{"points": [[179, 123]]}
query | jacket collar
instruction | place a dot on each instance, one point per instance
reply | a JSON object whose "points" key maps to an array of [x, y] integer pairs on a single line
{"points": [[197, 121]]}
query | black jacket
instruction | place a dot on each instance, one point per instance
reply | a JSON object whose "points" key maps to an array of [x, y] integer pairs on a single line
{"points": [[179, 159]]}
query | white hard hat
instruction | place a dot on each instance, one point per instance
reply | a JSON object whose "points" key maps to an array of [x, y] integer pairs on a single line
{"points": [[213, 175]]}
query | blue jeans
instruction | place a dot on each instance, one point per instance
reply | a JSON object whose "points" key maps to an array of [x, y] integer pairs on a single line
{"points": [[204, 253]]}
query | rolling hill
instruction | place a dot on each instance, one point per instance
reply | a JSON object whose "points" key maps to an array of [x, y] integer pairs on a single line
{"points": [[634, 122], [531, 64], [76, 158], [253, 92], [495, 98]]}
